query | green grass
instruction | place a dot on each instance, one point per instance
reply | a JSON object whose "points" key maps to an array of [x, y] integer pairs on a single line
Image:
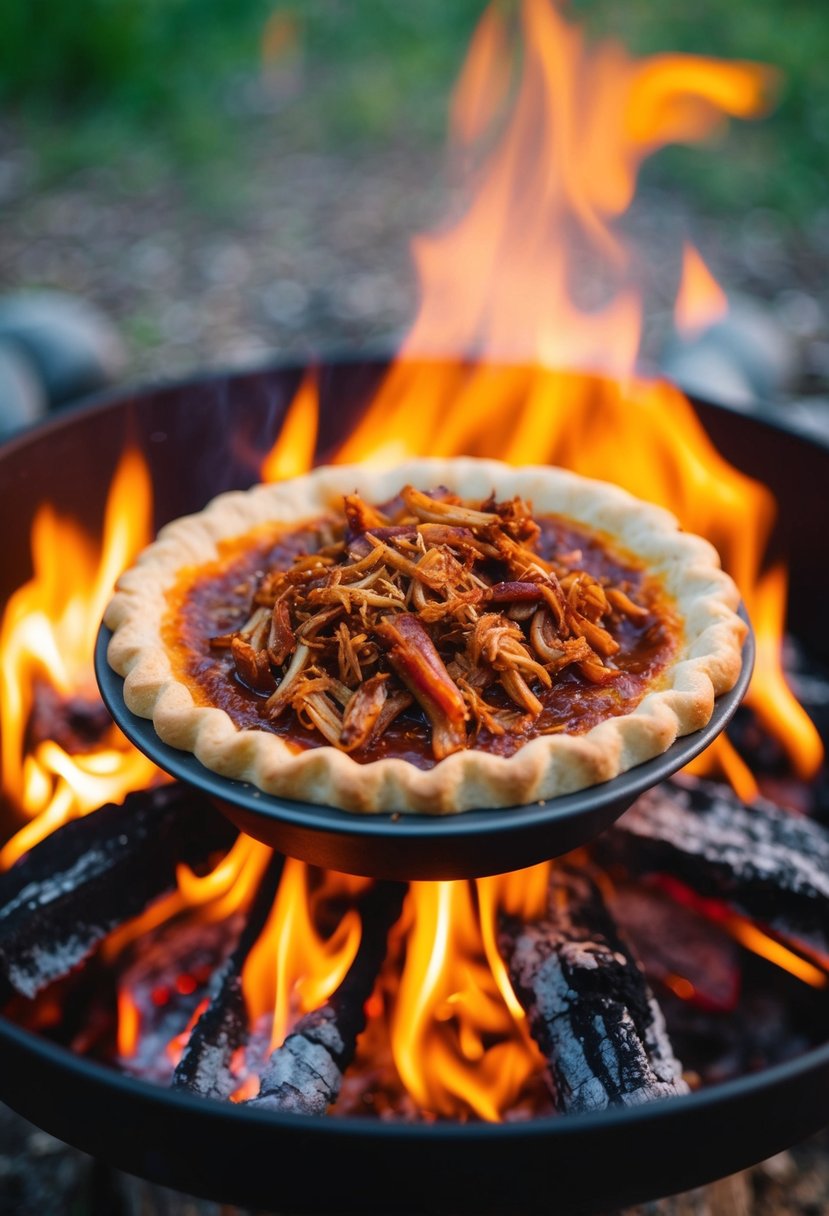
{"points": [[146, 84]]}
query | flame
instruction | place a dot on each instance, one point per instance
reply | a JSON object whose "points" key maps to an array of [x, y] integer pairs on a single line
{"points": [[293, 452], [552, 167], [176, 1046], [751, 936], [771, 697], [293, 968], [47, 637], [129, 1024], [484, 80], [700, 301], [754, 939], [459, 1036], [559, 164], [214, 896]]}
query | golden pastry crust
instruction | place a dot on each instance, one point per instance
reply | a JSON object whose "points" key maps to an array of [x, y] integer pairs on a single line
{"points": [[709, 662]]}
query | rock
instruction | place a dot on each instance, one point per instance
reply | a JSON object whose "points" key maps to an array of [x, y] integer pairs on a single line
{"points": [[73, 347]]}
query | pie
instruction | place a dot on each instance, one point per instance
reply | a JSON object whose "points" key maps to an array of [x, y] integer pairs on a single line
{"points": [[444, 635]]}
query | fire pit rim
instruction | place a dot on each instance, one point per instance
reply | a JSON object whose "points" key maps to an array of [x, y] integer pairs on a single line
{"points": [[764, 413], [800, 1068], [770, 1125]]}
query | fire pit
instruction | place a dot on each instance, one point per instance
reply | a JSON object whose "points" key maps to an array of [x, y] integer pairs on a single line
{"points": [[226, 1149], [200, 1010]]}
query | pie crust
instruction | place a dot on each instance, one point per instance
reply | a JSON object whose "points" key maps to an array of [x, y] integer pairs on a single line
{"points": [[704, 597]]}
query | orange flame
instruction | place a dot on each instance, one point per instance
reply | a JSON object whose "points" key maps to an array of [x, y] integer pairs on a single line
{"points": [[47, 636], [129, 1024], [293, 968], [700, 301], [560, 160], [459, 1036], [774, 951], [293, 452]]}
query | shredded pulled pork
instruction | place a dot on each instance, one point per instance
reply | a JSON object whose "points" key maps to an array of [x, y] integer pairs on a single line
{"points": [[428, 601]]}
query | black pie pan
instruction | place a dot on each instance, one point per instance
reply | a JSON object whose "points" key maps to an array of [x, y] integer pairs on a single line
{"points": [[407, 846]]}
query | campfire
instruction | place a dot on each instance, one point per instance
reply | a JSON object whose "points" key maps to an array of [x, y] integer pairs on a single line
{"points": [[138, 929]]}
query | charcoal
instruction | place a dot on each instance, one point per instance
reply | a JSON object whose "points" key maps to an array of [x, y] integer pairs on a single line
{"points": [[809, 681], [589, 1006], [205, 1064], [88, 877], [304, 1075], [767, 863]]}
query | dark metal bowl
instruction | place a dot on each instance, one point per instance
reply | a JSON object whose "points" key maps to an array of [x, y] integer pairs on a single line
{"points": [[468, 845]]}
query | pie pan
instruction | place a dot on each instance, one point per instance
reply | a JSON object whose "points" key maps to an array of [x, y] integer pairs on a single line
{"points": [[406, 847]]}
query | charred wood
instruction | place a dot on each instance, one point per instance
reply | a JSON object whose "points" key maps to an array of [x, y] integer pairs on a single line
{"points": [[678, 948], [76, 723], [767, 863], [205, 1064], [589, 1006], [64, 896], [304, 1075]]}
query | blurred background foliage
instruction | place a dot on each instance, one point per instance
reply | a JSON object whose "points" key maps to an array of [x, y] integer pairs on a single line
{"points": [[194, 82]]}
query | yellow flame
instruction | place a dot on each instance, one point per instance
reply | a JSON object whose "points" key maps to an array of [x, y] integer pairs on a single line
{"points": [[459, 1038], [293, 453], [47, 636], [293, 968]]}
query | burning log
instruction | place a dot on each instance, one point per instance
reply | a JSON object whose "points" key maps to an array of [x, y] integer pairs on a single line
{"points": [[590, 1009], [205, 1065], [767, 863], [61, 899], [304, 1075]]}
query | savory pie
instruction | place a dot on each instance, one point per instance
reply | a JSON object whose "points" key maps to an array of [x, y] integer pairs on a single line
{"points": [[445, 635]]}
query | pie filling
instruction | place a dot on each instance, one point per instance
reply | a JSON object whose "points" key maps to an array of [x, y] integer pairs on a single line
{"points": [[421, 627]]}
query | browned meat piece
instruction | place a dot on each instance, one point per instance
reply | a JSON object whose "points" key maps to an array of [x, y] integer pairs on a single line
{"points": [[361, 516], [252, 666], [362, 712], [513, 593], [413, 656], [281, 640]]}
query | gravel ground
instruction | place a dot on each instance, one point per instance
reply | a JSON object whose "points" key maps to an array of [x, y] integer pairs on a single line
{"points": [[310, 255]]}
